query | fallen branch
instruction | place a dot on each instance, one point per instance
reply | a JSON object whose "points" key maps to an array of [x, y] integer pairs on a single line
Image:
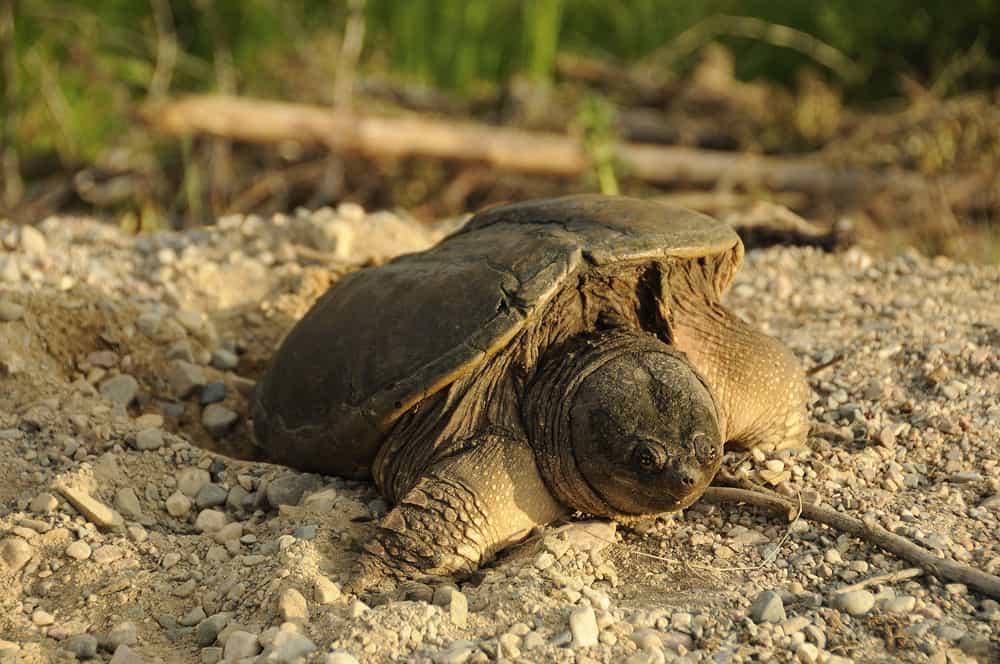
{"points": [[888, 577], [870, 532], [504, 148]]}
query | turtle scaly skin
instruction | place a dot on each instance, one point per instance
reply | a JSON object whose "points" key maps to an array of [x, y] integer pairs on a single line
{"points": [[552, 356]]}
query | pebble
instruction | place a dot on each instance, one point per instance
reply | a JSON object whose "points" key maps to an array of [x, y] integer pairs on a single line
{"points": [[10, 311], [288, 489], [124, 633], [325, 591], [210, 495], [121, 389], [901, 604], [78, 550], [288, 647], [214, 392], [83, 646], [43, 503], [178, 505], [14, 553], [292, 606], [191, 480], [767, 607], [855, 602], [106, 554], [218, 420], [92, 509], [240, 644], [458, 609], [42, 618], [583, 625], [185, 378], [224, 360], [125, 655], [210, 521], [128, 503], [208, 629], [149, 439], [340, 657]]}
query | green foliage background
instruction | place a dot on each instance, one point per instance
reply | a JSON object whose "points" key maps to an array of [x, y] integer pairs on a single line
{"points": [[83, 64]]}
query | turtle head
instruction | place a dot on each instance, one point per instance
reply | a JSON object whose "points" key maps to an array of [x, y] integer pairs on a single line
{"points": [[634, 429]]}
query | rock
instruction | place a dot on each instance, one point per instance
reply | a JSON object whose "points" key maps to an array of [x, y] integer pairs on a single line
{"points": [[224, 360], [125, 655], [43, 503], [121, 389], [124, 633], [128, 503], [42, 618], [83, 646], [78, 550], [218, 420], [208, 629], [856, 602], [807, 653], [32, 241], [191, 480], [10, 311], [583, 626], [92, 509], [340, 657], [210, 521], [240, 644], [288, 489], [192, 617], [14, 554], [307, 532], [901, 604], [292, 606], [214, 392], [457, 653], [210, 495], [107, 554], [149, 439], [185, 378], [288, 646], [325, 591], [178, 505], [767, 607], [590, 536]]}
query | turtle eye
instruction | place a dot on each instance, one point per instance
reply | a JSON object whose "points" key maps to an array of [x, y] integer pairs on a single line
{"points": [[649, 456]]}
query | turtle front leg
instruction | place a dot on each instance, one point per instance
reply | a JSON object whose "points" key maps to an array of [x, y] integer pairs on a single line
{"points": [[462, 511]]}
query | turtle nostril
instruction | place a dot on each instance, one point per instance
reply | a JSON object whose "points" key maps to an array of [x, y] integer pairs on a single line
{"points": [[687, 480]]}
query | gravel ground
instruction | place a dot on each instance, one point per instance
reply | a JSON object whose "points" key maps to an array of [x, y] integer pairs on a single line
{"points": [[126, 536]]}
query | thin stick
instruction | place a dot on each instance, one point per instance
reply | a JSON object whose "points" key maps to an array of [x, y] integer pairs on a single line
{"points": [[889, 577], [836, 359], [871, 532]]}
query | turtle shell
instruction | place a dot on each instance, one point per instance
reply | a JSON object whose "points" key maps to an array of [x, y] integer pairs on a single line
{"points": [[383, 339]]}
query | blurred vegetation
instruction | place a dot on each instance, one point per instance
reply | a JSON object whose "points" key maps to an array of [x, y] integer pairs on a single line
{"points": [[82, 65]]}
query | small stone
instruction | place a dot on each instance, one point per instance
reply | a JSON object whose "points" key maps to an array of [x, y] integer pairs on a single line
{"points": [[211, 655], [458, 652], [325, 591], [292, 606], [10, 311], [307, 532], [229, 532], [901, 604], [92, 509], [149, 439], [218, 420], [128, 503], [185, 378], [42, 618], [125, 655], [832, 556], [767, 607], [14, 553], [124, 633], [288, 489], [33, 242], [794, 625], [289, 646], [807, 653], [240, 644], [192, 617], [83, 646], [178, 505], [210, 521], [210, 495], [544, 560], [43, 503], [224, 359], [191, 480], [340, 657], [214, 392], [583, 625], [208, 629], [107, 554], [78, 550], [856, 602], [458, 609], [321, 501], [357, 609], [121, 389]]}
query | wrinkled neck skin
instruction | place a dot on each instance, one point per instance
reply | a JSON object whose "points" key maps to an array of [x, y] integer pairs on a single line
{"points": [[759, 385]]}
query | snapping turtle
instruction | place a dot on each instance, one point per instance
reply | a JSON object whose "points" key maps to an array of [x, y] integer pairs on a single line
{"points": [[549, 356]]}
